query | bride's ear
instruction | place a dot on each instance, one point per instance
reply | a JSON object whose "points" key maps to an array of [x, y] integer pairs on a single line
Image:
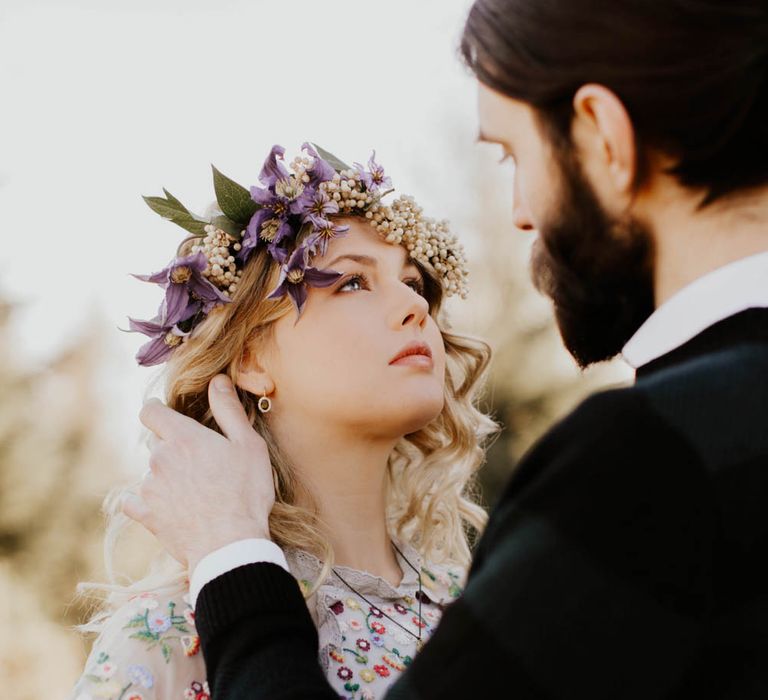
{"points": [[253, 375]]}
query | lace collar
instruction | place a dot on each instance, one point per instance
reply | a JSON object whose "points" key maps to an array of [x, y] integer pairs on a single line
{"points": [[306, 567]]}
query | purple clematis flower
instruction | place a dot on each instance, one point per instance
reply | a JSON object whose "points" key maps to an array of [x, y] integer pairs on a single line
{"points": [[266, 224], [251, 237], [296, 277], [319, 209], [164, 339], [374, 178], [286, 202], [278, 253], [323, 234], [282, 197], [183, 282], [273, 170], [282, 192], [322, 170]]}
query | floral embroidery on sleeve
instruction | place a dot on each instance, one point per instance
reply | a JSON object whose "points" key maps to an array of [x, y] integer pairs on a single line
{"points": [[134, 657], [158, 627], [105, 685]]}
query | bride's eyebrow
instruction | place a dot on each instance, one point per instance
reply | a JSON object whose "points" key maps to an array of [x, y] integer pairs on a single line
{"points": [[364, 260]]}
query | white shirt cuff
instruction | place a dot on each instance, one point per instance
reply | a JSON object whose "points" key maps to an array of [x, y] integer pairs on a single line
{"points": [[224, 559]]}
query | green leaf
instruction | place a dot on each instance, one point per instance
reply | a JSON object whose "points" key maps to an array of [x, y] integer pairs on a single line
{"points": [[191, 224], [174, 211], [166, 208], [336, 163], [175, 201], [166, 652], [225, 224], [235, 201]]}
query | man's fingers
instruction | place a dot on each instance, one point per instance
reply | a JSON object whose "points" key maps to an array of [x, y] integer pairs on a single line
{"points": [[135, 508], [228, 411], [164, 421]]}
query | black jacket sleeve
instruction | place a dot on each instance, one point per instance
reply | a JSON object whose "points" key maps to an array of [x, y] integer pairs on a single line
{"points": [[591, 580]]}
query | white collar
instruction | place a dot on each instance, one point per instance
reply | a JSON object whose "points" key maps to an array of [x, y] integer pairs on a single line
{"points": [[711, 298]]}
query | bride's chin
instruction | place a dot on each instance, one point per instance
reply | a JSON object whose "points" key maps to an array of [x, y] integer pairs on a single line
{"points": [[419, 417]]}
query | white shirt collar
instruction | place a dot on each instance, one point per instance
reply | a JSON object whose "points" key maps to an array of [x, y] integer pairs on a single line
{"points": [[711, 298]]}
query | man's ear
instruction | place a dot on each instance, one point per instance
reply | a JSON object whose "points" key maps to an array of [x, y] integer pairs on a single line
{"points": [[253, 375], [605, 136]]}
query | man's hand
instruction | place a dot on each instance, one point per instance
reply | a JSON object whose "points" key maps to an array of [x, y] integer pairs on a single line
{"points": [[203, 490]]}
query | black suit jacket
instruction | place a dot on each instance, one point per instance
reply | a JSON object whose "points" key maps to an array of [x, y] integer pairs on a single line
{"points": [[626, 558]]}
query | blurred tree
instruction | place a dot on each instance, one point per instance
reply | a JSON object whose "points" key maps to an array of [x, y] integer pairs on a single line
{"points": [[55, 467]]}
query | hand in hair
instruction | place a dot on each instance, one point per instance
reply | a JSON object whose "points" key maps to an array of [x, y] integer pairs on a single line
{"points": [[203, 490]]}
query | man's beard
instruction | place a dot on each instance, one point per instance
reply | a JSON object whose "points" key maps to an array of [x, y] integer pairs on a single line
{"points": [[597, 270]]}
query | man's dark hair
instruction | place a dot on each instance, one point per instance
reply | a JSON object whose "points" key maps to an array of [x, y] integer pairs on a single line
{"points": [[693, 75]]}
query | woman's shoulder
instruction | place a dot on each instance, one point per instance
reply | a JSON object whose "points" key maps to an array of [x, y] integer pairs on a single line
{"points": [[147, 649]]}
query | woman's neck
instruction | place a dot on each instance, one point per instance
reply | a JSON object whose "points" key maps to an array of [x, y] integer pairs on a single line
{"points": [[345, 482]]}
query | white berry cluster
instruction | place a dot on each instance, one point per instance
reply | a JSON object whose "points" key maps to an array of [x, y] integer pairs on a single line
{"points": [[222, 269], [428, 240], [299, 166], [402, 223], [346, 189]]}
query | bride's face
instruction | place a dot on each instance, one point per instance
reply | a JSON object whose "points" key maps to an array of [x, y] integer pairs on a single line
{"points": [[334, 365]]}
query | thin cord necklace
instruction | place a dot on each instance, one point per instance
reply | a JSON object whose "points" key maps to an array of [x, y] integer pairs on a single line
{"points": [[376, 607]]}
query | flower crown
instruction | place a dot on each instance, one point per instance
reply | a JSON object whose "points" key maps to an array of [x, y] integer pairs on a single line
{"points": [[291, 201]]}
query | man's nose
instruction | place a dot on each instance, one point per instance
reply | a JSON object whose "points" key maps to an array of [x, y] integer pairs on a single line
{"points": [[521, 217]]}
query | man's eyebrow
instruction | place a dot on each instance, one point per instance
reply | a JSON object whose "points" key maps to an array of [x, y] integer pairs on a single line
{"points": [[485, 138], [364, 260]]}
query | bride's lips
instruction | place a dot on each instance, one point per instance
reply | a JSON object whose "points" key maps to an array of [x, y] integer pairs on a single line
{"points": [[416, 353]]}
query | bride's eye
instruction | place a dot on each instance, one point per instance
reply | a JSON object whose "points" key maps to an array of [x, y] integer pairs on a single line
{"points": [[358, 278]]}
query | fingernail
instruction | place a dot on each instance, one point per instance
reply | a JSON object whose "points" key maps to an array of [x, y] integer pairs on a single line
{"points": [[221, 382]]}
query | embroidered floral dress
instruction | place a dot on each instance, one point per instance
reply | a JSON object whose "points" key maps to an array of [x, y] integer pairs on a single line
{"points": [[149, 649]]}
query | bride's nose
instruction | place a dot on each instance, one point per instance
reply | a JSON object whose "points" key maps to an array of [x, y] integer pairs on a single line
{"points": [[412, 309]]}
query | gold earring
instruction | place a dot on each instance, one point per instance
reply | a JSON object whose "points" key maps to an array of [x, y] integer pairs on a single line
{"points": [[265, 404]]}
